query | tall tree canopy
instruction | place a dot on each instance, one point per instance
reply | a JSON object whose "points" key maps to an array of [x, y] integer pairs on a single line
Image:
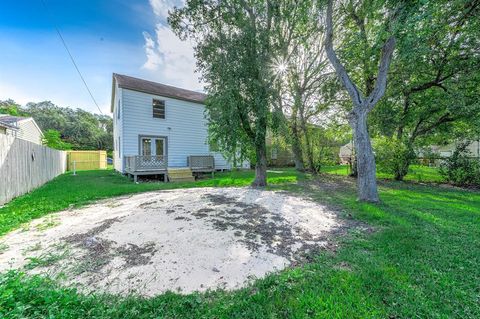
{"points": [[302, 71], [236, 43], [80, 129], [435, 78]]}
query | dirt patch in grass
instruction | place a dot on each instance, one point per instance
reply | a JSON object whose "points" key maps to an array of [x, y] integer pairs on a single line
{"points": [[182, 240], [135, 255], [259, 227]]}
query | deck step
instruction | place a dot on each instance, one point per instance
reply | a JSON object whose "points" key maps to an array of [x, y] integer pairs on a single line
{"points": [[181, 179], [180, 175]]}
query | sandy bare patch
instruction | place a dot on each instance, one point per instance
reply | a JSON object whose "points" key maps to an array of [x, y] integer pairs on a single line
{"points": [[181, 240]]}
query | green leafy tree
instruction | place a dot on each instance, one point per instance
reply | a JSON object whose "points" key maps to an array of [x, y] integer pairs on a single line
{"points": [[435, 77], [235, 45], [10, 107], [391, 156], [364, 102], [302, 71], [82, 129], [52, 138]]}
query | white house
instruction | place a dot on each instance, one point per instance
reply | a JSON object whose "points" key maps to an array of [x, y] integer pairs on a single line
{"points": [[158, 128], [24, 128]]}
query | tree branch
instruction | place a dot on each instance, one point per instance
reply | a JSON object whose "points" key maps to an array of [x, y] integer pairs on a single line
{"points": [[337, 65], [381, 82]]}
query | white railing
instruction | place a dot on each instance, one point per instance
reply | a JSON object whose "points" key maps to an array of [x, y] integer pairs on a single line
{"points": [[141, 163]]}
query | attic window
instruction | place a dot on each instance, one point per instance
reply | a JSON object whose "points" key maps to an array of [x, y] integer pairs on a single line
{"points": [[158, 109]]}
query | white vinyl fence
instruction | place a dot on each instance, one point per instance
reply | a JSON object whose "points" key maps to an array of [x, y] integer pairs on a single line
{"points": [[25, 166]]}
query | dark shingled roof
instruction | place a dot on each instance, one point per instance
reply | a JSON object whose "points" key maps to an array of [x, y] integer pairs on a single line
{"points": [[10, 119], [135, 84]]}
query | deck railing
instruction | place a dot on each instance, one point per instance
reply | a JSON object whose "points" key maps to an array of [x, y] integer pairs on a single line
{"points": [[203, 163], [142, 163]]}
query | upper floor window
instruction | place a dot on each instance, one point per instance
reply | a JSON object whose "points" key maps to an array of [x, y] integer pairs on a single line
{"points": [[159, 109]]}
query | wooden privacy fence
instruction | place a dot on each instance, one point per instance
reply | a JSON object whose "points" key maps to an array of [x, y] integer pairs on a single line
{"points": [[85, 160], [25, 166]]}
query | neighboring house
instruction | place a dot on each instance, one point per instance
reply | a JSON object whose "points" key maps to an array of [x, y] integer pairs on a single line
{"points": [[279, 153], [8, 129], [157, 128], [23, 128], [447, 150], [346, 153]]}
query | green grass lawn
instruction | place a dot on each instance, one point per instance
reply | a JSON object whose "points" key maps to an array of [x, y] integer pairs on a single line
{"points": [[416, 173], [419, 259]]}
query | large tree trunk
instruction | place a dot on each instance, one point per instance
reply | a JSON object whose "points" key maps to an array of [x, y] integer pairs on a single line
{"points": [[367, 183], [404, 164], [261, 166], [308, 144], [295, 138], [366, 180], [353, 166], [297, 148]]}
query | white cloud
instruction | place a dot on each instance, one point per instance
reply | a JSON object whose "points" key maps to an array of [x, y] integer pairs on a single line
{"points": [[154, 57], [168, 58], [161, 7]]}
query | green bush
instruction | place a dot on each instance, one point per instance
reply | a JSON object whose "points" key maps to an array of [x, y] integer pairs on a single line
{"points": [[53, 139], [461, 168], [392, 156]]}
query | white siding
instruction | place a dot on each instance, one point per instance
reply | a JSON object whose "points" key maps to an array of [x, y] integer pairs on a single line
{"points": [[184, 126], [28, 131], [8, 132], [118, 130]]}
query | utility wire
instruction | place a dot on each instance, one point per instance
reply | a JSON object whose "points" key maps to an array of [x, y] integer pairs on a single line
{"points": [[70, 55]]}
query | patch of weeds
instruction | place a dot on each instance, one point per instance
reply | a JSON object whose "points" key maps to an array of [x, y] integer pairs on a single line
{"points": [[89, 265], [3, 247], [25, 227], [32, 248], [112, 204], [47, 223], [48, 258], [147, 204]]}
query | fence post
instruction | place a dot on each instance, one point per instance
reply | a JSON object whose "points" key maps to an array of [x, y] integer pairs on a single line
{"points": [[74, 168]]}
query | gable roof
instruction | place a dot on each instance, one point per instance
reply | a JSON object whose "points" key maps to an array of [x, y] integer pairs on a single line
{"points": [[136, 84], [12, 121]]}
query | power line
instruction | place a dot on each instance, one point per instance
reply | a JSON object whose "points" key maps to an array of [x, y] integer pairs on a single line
{"points": [[70, 55]]}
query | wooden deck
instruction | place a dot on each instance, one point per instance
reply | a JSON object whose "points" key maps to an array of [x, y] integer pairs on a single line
{"points": [[137, 165]]}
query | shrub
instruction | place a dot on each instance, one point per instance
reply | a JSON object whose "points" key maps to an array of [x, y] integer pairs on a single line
{"points": [[392, 156], [461, 168]]}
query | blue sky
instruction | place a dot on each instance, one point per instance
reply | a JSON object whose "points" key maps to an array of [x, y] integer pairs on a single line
{"points": [[122, 36]]}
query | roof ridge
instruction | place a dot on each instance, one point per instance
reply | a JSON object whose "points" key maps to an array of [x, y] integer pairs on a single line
{"points": [[158, 83]]}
